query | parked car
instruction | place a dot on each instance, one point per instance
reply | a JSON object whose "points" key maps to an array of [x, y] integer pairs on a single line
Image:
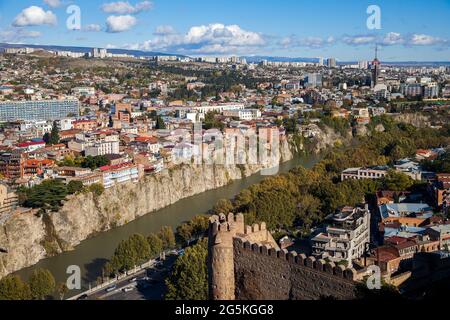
{"points": [[111, 288], [127, 289], [82, 297]]}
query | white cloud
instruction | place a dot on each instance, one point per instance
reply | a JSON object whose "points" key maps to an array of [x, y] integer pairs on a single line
{"points": [[393, 38], [34, 16], [359, 40], [164, 30], [309, 42], [116, 24], [53, 3], [124, 7], [207, 39], [92, 28], [425, 40], [17, 35]]}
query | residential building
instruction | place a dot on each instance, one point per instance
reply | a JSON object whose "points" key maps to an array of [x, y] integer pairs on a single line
{"points": [[38, 110], [8, 200], [377, 172], [246, 114], [12, 164], [114, 175], [345, 236], [102, 148]]}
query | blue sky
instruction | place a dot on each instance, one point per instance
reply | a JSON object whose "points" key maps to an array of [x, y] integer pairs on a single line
{"points": [[410, 29]]}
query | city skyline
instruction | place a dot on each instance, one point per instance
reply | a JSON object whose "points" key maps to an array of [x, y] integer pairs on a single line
{"points": [[197, 27]]}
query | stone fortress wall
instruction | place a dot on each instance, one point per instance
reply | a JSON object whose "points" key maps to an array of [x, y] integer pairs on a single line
{"points": [[245, 263]]}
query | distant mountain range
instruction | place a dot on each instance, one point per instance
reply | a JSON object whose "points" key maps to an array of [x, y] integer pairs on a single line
{"points": [[250, 59], [137, 53]]}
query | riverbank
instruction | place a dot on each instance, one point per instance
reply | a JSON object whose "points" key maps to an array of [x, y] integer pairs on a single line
{"points": [[94, 252], [85, 215]]}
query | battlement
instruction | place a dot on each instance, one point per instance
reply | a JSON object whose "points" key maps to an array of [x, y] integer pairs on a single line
{"points": [[245, 262], [223, 224], [302, 260]]}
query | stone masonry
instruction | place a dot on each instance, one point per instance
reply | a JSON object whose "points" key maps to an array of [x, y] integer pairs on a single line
{"points": [[245, 263]]}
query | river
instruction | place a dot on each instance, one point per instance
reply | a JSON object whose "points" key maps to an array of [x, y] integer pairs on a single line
{"points": [[93, 253]]}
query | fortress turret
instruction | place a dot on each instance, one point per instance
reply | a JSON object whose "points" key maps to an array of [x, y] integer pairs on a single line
{"points": [[222, 230]]}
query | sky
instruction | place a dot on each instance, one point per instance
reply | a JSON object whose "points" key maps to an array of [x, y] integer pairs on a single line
{"points": [[404, 30]]}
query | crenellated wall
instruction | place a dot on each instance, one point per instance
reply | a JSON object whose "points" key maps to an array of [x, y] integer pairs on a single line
{"points": [[264, 273], [258, 270]]}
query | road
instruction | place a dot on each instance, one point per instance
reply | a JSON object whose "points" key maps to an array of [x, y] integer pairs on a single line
{"points": [[145, 285]]}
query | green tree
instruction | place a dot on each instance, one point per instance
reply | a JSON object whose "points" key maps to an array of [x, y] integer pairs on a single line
{"points": [[13, 288], [130, 253], [47, 195], [168, 237], [397, 181], [42, 284], [74, 187], [185, 233], [160, 123], [189, 277], [54, 135], [95, 162], [97, 189], [142, 248], [155, 244], [223, 206]]}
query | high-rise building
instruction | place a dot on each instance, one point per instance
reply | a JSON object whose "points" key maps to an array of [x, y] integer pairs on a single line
{"points": [[313, 80], [321, 61], [411, 89], [99, 53], [363, 65], [376, 69], [331, 63], [38, 110], [431, 90]]}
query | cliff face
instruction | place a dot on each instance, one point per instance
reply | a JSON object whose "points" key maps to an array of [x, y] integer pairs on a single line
{"points": [[414, 119], [28, 238], [329, 138]]}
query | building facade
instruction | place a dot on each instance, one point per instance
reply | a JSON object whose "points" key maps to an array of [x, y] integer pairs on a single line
{"points": [[345, 236], [38, 110]]}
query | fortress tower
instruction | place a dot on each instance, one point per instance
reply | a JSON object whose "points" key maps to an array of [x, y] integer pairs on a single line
{"points": [[222, 230]]}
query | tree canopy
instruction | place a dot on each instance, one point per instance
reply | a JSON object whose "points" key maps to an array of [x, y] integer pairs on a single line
{"points": [[189, 277]]}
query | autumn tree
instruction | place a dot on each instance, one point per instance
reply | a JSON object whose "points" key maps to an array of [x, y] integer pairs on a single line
{"points": [[189, 277], [42, 284], [13, 288]]}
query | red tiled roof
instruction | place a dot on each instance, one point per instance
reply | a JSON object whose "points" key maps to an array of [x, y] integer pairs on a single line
{"points": [[30, 143]]}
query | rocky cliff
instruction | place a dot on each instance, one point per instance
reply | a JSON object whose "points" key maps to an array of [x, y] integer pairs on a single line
{"points": [[28, 238], [416, 119]]}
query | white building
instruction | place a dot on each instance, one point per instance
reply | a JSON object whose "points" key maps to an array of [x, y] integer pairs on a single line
{"points": [[102, 148], [345, 236], [114, 175], [364, 173], [246, 114], [219, 108], [65, 124], [83, 91]]}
